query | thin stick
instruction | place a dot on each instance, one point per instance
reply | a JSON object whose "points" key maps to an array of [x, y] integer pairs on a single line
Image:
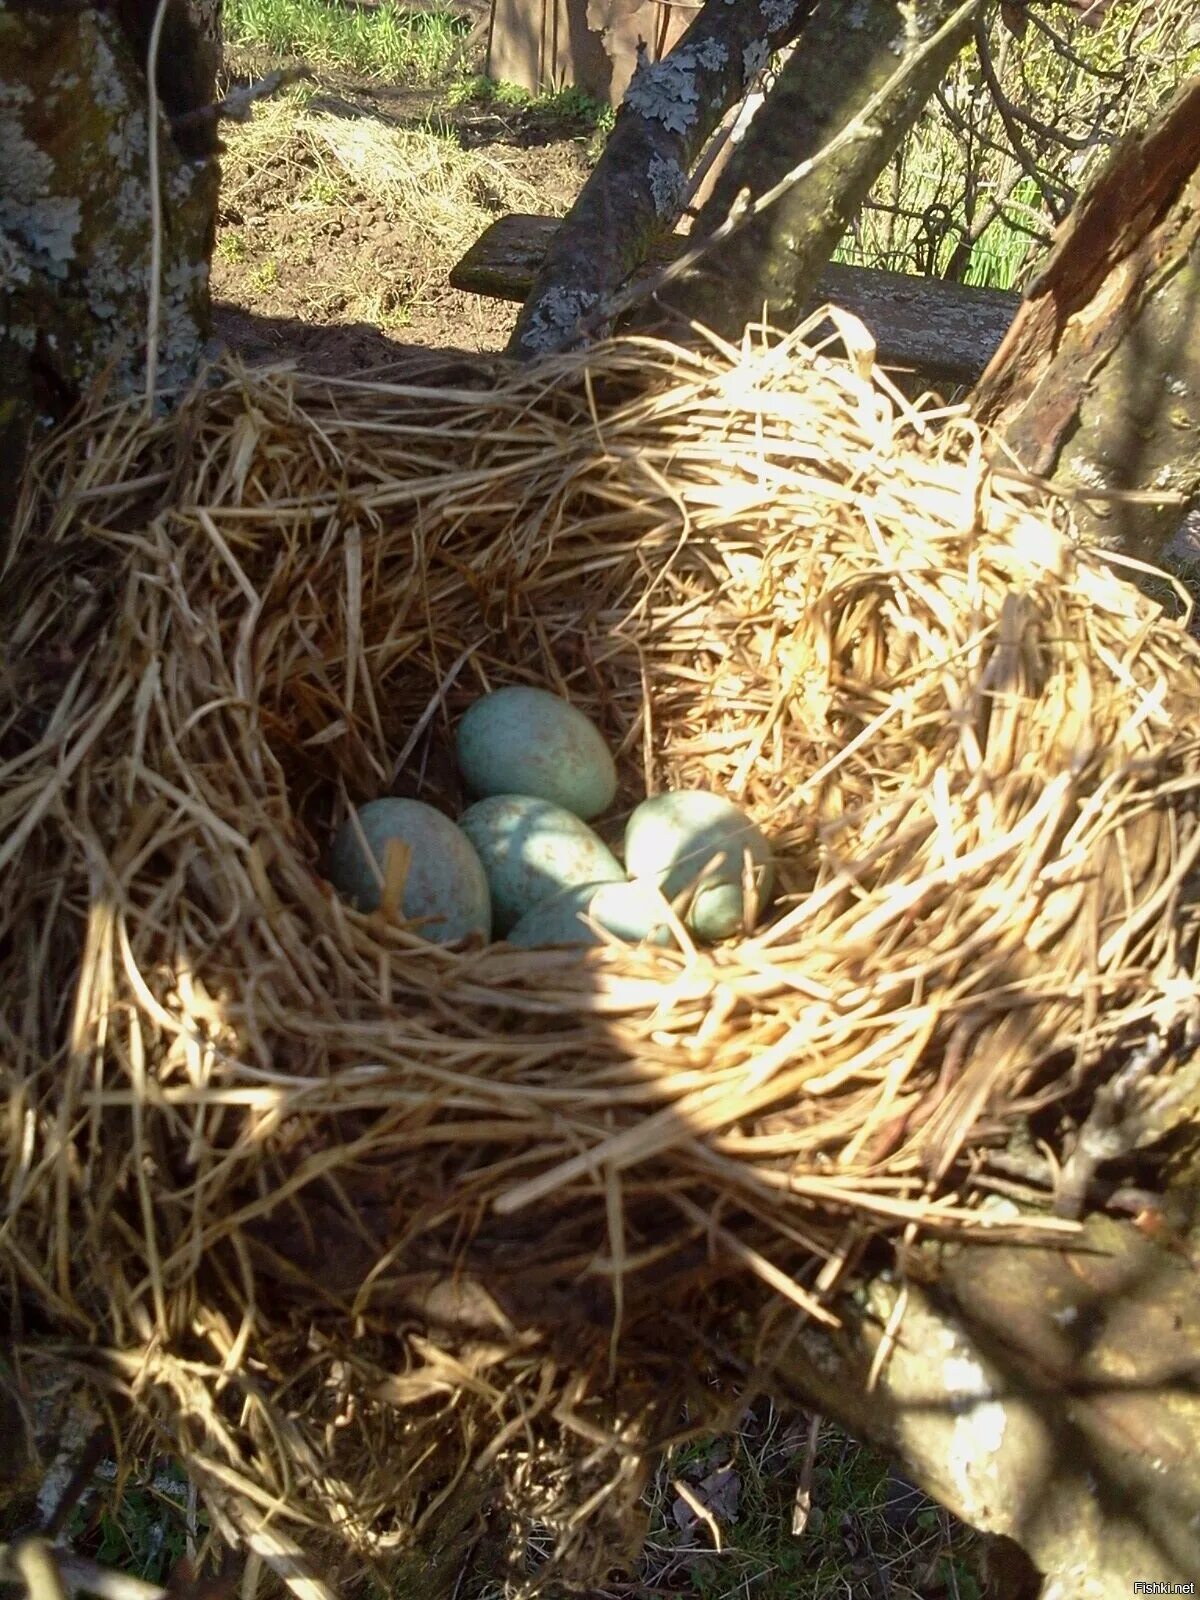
{"points": [[82, 1576], [154, 310], [35, 1564]]}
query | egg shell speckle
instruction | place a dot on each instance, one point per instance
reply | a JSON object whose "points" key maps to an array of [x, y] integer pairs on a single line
{"points": [[446, 882], [520, 740], [531, 851], [671, 839], [631, 911]]}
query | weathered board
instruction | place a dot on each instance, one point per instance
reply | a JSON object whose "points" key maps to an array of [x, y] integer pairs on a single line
{"points": [[590, 44], [943, 330]]}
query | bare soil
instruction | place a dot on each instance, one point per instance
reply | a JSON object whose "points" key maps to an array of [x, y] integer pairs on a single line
{"points": [[320, 260]]}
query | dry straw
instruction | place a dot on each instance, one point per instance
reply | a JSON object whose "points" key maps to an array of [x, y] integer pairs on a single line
{"points": [[362, 1226]]}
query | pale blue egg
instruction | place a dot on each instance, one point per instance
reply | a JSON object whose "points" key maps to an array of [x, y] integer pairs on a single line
{"points": [[694, 840], [631, 911], [529, 741], [446, 889], [532, 850]]}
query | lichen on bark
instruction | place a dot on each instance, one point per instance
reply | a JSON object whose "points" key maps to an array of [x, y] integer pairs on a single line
{"points": [[75, 224], [634, 197], [847, 56]]}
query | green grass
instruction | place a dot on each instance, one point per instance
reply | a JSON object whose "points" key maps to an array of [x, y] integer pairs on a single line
{"points": [[387, 42], [571, 104], [912, 228], [847, 1543], [142, 1529]]}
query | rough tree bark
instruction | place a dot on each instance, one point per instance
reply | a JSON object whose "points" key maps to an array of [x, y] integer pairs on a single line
{"points": [[1097, 384], [1048, 1396], [637, 189], [847, 58], [75, 204]]}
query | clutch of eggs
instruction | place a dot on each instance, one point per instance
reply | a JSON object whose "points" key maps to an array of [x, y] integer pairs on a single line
{"points": [[522, 862]]}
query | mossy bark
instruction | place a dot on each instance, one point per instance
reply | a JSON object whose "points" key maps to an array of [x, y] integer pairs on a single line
{"points": [[76, 217], [847, 57], [1097, 384]]}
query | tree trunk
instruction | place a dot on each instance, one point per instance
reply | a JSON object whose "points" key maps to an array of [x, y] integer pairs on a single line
{"points": [[845, 64], [637, 189], [1049, 1396], [1097, 384], [75, 208]]}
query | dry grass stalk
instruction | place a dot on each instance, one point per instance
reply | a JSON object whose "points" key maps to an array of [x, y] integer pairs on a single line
{"points": [[358, 1216]]}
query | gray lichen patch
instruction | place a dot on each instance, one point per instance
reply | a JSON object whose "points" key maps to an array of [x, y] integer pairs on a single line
{"points": [[128, 140], [754, 58], [14, 265], [108, 282], [41, 224], [132, 203], [179, 185], [181, 340], [668, 186], [556, 317], [777, 13], [711, 54], [104, 77], [75, 207], [667, 92]]}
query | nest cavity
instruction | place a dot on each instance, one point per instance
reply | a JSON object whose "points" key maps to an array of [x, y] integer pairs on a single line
{"points": [[351, 1220]]}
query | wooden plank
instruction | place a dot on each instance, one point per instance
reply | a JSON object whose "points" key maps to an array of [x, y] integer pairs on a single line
{"points": [[590, 44], [945, 330]]}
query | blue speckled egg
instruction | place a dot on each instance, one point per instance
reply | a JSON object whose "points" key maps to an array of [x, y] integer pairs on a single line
{"points": [[532, 850], [531, 742], [671, 839], [446, 889], [631, 911]]}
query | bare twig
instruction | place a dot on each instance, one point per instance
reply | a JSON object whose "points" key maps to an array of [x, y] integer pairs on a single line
{"points": [[1051, 132], [34, 1563], [154, 308], [238, 105], [1063, 48], [1054, 194], [82, 1576], [802, 1507]]}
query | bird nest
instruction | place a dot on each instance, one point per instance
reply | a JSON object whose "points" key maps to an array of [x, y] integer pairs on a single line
{"points": [[360, 1225]]}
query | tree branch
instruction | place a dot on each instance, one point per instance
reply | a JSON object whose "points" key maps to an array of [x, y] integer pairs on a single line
{"points": [[638, 187], [1096, 383], [1045, 1394], [238, 104], [848, 96], [745, 210]]}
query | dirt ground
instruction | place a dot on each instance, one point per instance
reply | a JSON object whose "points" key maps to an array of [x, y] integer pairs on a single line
{"points": [[345, 205]]}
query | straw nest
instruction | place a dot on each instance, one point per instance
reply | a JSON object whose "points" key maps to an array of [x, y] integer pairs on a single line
{"points": [[346, 1216]]}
